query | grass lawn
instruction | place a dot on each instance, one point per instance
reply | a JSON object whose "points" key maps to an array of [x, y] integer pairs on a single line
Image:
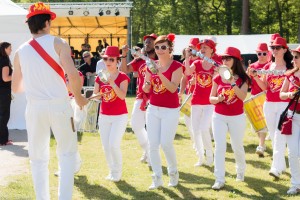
{"points": [[194, 183]]}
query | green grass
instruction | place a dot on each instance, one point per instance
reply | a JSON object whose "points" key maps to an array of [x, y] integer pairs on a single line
{"points": [[195, 183]]}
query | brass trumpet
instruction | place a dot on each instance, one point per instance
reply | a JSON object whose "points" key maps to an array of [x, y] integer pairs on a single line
{"points": [[149, 62]]}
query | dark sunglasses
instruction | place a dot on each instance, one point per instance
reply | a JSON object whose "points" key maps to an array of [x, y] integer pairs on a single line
{"points": [[276, 47], [260, 54], [295, 57], [204, 41], [110, 59], [86, 56], [163, 47], [227, 58]]}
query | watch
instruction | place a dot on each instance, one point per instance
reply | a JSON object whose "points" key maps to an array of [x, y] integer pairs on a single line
{"points": [[233, 84]]}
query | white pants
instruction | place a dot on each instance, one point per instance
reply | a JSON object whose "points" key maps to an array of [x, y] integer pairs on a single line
{"points": [[138, 122], [112, 129], [272, 111], [293, 143], [161, 129], [41, 116], [188, 124], [236, 126], [201, 122]]}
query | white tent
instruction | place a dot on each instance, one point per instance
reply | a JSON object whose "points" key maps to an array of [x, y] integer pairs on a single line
{"points": [[15, 31], [245, 43]]}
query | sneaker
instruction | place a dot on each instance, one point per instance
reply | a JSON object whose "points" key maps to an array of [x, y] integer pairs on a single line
{"points": [[260, 150], [156, 182], [240, 177], [199, 163], [57, 173], [274, 173], [218, 185], [144, 158], [174, 177], [293, 190]]}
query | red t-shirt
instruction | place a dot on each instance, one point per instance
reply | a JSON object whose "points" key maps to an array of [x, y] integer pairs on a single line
{"points": [[255, 89], [293, 87], [139, 66], [159, 95], [274, 84], [189, 88], [203, 84], [111, 103], [231, 105]]}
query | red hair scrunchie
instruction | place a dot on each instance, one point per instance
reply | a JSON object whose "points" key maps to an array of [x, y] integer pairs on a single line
{"points": [[171, 37]]}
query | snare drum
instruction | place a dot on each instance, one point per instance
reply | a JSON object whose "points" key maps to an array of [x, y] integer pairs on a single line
{"points": [[254, 111], [185, 108], [89, 124]]}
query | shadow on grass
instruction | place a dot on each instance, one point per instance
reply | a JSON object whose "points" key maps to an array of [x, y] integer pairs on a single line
{"points": [[93, 191], [129, 130], [179, 136], [260, 186], [135, 194]]}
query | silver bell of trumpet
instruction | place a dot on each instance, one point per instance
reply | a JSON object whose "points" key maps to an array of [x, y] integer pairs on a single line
{"points": [[149, 62], [103, 75]]}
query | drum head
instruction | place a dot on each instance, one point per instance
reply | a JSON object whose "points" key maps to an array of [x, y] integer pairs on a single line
{"points": [[224, 72]]}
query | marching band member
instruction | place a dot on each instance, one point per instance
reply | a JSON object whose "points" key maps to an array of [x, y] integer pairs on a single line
{"points": [[228, 96], [187, 83], [202, 109], [112, 122], [162, 114], [290, 86], [274, 106], [138, 116], [262, 55]]}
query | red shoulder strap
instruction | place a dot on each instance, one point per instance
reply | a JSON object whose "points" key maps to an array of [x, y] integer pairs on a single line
{"points": [[39, 49]]}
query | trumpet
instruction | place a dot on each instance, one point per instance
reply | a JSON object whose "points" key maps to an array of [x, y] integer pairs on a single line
{"points": [[152, 66], [223, 70], [103, 75]]}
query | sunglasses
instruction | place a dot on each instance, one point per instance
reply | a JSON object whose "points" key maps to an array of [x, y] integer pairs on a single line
{"points": [[204, 41], [110, 59], [86, 56], [227, 58], [295, 57], [276, 47], [261, 54], [162, 47]]}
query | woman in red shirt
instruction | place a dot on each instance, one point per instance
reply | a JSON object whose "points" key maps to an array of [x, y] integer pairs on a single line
{"points": [[162, 114], [113, 112], [228, 97]]}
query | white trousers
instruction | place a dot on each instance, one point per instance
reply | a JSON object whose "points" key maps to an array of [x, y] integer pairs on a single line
{"points": [[161, 129], [41, 116], [188, 124], [201, 122], [138, 122], [293, 143], [112, 129], [236, 126], [272, 111]]}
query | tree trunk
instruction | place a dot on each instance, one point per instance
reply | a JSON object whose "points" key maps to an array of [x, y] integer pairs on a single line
{"points": [[245, 17], [174, 16], [228, 14], [216, 8], [298, 32], [279, 17], [198, 17]]}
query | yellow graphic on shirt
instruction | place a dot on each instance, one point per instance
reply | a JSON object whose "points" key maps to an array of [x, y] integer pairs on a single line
{"points": [[204, 80], [157, 86], [108, 94], [142, 71], [275, 83], [229, 95]]}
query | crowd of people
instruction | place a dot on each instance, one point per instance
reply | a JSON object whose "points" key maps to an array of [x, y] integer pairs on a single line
{"points": [[217, 102]]}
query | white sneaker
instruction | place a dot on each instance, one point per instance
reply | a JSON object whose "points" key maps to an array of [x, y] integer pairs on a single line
{"points": [[293, 190], [240, 177], [144, 158], [260, 150], [199, 163], [218, 185], [156, 182], [57, 173], [274, 173], [174, 178]]}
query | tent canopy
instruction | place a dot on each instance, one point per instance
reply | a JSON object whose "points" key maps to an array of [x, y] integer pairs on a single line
{"points": [[94, 20], [245, 43]]}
